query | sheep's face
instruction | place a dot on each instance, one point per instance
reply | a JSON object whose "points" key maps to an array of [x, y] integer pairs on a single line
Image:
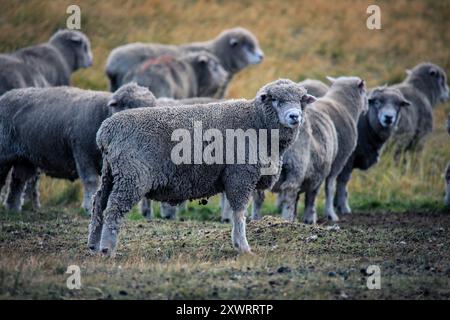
{"points": [[434, 77], [385, 105], [287, 100], [131, 96], [212, 77], [78, 44], [243, 47]]}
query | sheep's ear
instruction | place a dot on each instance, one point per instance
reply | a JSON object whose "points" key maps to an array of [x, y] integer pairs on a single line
{"points": [[264, 96], [233, 42], [308, 99], [112, 103], [405, 103], [408, 72], [331, 79]]}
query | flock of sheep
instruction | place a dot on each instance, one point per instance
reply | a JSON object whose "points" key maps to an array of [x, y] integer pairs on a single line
{"points": [[119, 144]]}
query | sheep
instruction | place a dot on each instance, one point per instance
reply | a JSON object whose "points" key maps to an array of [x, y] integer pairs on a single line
{"points": [[321, 150], [447, 172], [374, 129], [196, 74], [425, 86], [138, 150], [53, 130], [235, 48], [315, 87], [47, 64]]}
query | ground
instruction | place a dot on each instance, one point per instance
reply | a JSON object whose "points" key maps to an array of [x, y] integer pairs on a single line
{"points": [[399, 221], [194, 259]]}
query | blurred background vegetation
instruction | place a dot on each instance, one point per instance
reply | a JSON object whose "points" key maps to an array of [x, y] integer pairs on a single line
{"points": [[301, 39]]}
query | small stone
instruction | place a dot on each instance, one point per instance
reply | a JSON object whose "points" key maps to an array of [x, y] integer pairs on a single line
{"points": [[332, 274], [283, 269]]}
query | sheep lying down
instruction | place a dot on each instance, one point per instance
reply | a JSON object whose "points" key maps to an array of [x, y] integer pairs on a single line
{"points": [[54, 130], [323, 147], [138, 150]]}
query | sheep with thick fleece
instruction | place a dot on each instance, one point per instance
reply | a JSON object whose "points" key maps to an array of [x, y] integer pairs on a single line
{"points": [[53, 130], [138, 147], [319, 154], [425, 86], [374, 129], [196, 74], [235, 48], [46, 64]]}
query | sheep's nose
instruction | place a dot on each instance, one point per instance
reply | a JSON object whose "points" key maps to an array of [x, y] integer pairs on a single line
{"points": [[293, 116], [388, 119]]}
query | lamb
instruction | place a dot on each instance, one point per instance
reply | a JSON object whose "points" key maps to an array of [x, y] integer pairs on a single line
{"points": [[196, 74], [235, 48], [138, 150], [53, 130], [447, 172], [374, 129], [321, 150], [425, 86], [47, 64], [315, 88]]}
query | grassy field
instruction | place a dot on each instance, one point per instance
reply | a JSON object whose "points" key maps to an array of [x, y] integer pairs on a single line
{"points": [[399, 222]]}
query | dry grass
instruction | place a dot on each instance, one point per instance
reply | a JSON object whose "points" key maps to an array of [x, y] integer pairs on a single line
{"points": [[301, 39]]}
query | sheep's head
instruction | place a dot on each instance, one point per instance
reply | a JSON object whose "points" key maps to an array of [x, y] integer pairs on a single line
{"points": [[287, 100], [212, 77], [131, 96], [434, 77], [353, 89], [385, 104], [75, 43], [240, 48]]}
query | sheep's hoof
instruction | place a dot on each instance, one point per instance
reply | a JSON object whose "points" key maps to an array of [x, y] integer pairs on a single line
{"points": [[333, 218]]}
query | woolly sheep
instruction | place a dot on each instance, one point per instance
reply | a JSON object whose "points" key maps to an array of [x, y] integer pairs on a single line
{"points": [[374, 129], [137, 147], [425, 86], [53, 130], [197, 74], [47, 64], [235, 48], [323, 147]]}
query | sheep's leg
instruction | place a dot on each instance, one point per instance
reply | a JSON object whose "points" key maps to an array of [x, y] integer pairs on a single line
{"points": [[258, 200], [279, 202], [99, 203], [20, 175], [32, 192], [88, 174], [238, 192], [310, 216], [146, 208], [329, 194], [227, 212], [5, 178], [447, 180], [125, 194], [168, 211], [289, 199], [341, 197]]}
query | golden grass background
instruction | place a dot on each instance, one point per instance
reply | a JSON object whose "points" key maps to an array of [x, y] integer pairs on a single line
{"points": [[301, 39]]}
